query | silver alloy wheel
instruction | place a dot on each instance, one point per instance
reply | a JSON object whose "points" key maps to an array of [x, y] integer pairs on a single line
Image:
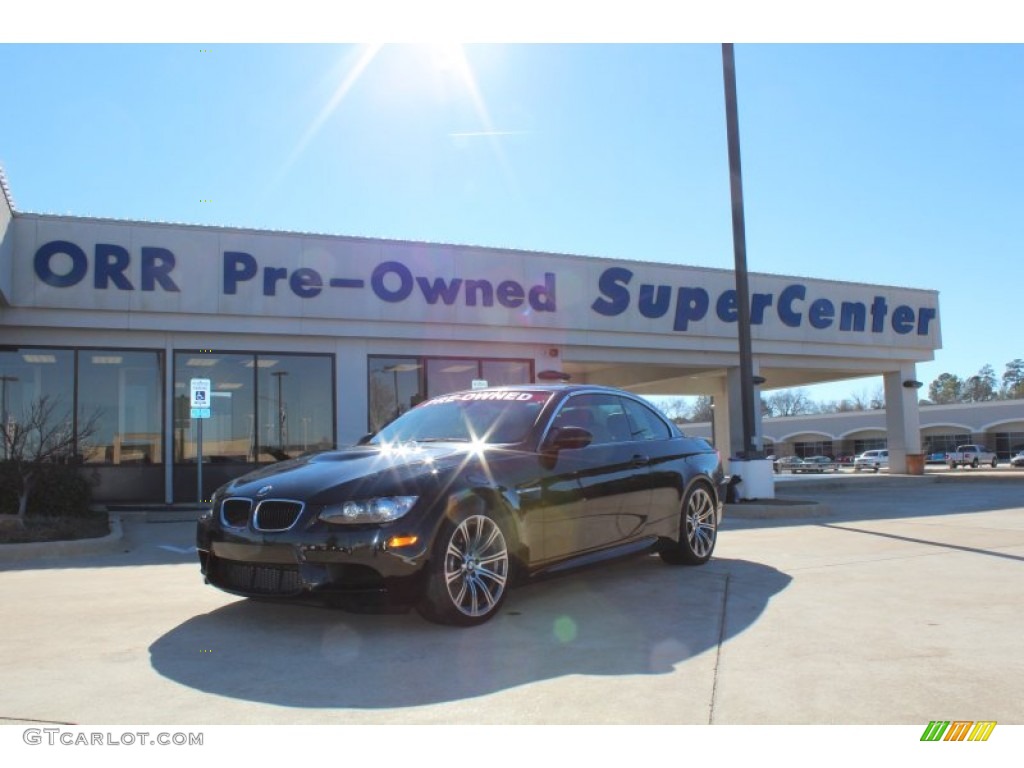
{"points": [[700, 522], [476, 566]]}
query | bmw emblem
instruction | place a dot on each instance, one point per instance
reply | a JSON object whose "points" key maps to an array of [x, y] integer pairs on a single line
{"points": [[264, 490]]}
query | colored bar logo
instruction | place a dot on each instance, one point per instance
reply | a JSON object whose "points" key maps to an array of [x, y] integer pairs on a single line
{"points": [[958, 730]]}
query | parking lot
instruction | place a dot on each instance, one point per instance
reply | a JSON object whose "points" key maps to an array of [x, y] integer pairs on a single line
{"points": [[896, 601]]}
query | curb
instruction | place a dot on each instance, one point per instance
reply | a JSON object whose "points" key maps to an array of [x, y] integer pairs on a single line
{"points": [[775, 509], [36, 550]]}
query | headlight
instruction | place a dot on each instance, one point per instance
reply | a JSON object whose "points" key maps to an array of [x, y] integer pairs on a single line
{"points": [[380, 510]]}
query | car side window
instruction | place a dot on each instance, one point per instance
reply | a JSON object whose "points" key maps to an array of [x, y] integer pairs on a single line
{"points": [[644, 423], [599, 414]]}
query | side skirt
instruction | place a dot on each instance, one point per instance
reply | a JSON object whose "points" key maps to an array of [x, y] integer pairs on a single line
{"points": [[630, 549]]}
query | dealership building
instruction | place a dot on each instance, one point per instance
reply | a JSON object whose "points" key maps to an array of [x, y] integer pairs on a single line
{"points": [[310, 341], [996, 424]]}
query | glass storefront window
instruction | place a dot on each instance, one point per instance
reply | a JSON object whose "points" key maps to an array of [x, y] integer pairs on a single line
{"points": [[395, 386], [29, 374], [121, 392], [296, 406], [450, 375], [399, 383], [264, 407], [229, 433], [501, 373]]}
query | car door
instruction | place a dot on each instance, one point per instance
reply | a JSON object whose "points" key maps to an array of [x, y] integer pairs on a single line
{"points": [[655, 445], [612, 480]]}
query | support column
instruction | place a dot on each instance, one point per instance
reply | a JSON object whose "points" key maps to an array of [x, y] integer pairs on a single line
{"points": [[168, 438], [903, 420], [735, 396], [721, 425], [757, 480], [734, 422]]}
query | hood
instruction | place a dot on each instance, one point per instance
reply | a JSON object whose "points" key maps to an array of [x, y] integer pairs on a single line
{"points": [[366, 470]]}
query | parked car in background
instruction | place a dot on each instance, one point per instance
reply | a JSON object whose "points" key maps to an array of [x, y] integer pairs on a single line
{"points": [[815, 464], [873, 460], [1017, 460], [785, 463], [467, 493], [971, 455]]}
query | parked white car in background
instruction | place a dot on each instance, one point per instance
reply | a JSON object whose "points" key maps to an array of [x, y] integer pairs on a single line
{"points": [[873, 460], [971, 456]]}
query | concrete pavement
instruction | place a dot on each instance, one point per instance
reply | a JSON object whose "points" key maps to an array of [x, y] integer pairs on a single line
{"points": [[897, 603]]}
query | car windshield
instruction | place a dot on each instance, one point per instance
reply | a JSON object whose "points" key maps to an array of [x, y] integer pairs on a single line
{"points": [[487, 416]]}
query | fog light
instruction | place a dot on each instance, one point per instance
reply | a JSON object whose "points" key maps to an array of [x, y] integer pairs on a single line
{"points": [[402, 541]]}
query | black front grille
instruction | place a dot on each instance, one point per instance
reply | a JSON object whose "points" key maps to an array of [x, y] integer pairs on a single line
{"points": [[276, 515], [235, 512], [255, 579]]}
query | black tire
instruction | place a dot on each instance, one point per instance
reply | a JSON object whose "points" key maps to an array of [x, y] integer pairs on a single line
{"points": [[698, 529], [468, 572], [974, 464], [994, 462], [952, 465]]}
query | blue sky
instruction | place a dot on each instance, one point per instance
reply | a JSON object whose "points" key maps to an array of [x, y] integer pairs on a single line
{"points": [[882, 163]]}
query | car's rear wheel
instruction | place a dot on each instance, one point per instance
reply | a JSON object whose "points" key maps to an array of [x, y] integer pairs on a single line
{"points": [[994, 462], [468, 573], [698, 529], [974, 464]]}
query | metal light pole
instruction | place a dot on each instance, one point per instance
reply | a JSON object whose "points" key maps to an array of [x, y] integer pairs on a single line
{"points": [[5, 378], [740, 250], [279, 375]]}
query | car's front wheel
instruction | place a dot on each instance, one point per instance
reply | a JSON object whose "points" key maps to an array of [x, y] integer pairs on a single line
{"points": [[698, 529], [468, 573]]}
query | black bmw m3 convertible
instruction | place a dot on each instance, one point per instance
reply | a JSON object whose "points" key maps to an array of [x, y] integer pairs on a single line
{"points": [[454, 501]]}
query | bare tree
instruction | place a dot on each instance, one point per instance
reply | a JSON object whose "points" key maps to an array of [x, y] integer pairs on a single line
{"points": [[39, 438], [702, 410], [676, 408], [790, 402]]}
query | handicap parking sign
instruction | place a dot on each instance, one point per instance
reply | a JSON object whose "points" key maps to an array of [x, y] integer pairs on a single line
{"points": [[200, 393]]}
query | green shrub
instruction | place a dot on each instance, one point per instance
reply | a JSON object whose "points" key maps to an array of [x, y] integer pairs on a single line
{"points": [[59, 491]]}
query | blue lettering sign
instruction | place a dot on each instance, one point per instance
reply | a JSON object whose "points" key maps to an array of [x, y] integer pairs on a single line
{"points": [[612, 284], [382, 291], [238, 267], [44, 270], [692, 304], [110, 265], [157, 264]]}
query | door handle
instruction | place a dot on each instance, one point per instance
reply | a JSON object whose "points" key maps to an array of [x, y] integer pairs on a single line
{"points": [[639, 460]]}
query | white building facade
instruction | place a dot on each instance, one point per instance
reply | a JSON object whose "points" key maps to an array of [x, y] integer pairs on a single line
{"points": [[996, 424], [309, 341]]}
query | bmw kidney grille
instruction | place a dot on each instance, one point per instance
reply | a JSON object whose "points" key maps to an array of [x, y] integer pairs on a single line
{"points": [[276, 515]]}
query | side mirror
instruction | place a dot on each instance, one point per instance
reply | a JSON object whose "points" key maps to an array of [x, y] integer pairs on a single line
{"points": [[365, 439], [568, 438]]}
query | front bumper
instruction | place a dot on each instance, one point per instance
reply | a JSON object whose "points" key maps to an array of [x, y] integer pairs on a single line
{"points": [[358, 565]]}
